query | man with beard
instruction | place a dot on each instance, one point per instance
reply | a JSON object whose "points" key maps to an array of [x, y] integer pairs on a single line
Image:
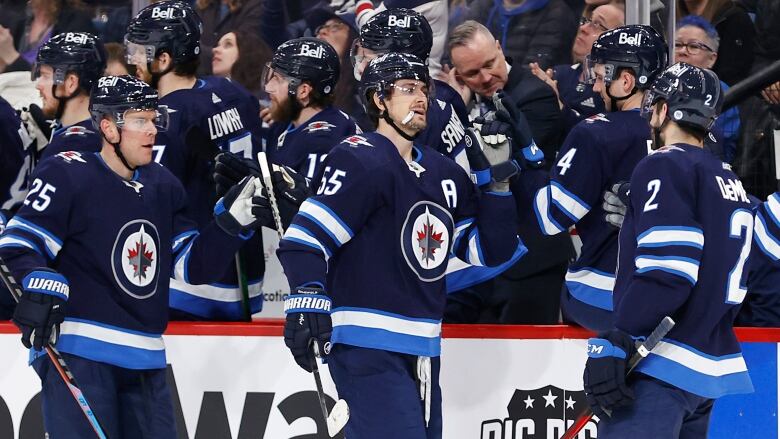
{"points": [[65, 68], [206, 117], [300, 81], [599, 153]]}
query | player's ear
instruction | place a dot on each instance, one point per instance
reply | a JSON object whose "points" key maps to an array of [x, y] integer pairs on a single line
{"points": [[109, 130], [164, 60], [378, 102], [303, 92], [71, 83]]}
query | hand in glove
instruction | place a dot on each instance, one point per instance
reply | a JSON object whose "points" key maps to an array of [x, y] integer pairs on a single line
{"points": [[491, 167], [308, 321], [290, 189], [231, 168], [605, 371], [615, 203], [40, 312], [237, 213], [524, 149]]}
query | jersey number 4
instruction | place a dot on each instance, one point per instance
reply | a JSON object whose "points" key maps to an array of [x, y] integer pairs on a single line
{"points": [[565, 162]]}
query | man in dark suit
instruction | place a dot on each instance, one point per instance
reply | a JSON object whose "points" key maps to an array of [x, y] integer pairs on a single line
{"points": [[529, 291]]}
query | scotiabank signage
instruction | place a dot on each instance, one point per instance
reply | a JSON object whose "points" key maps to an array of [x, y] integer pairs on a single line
{"points": [[239, 382]]}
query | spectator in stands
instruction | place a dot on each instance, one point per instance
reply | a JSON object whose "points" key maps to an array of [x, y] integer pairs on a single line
{"points": [[238, 56], [529, 31], [576, 99], [696, 43], [223, 16], [116, 61], [528, 292], [736, 30], [19, 44]]}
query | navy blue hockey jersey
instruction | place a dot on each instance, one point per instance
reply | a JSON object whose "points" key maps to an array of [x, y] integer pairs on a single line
{"points": [[117, 242], [304, 147], [447, 118], [82, 136], [378, 234], [214, 115], [579, 100], [16, 157], [599, 152], [683, 246]]}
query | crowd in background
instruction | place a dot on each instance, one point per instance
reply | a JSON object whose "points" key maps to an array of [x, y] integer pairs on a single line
{"points": [[544, 42]]}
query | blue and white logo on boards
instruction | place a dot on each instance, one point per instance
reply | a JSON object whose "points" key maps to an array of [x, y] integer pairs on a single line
{"points": [[135, 259], [426, 240]]}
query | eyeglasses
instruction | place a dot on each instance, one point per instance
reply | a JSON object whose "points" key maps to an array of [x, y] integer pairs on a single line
{"points": [[330, 27], [693, 47], [599, 26]]}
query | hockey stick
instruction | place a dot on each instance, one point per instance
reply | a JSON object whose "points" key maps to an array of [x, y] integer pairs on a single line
{"points": [[56, 358], [338, 417], [642, 350], [246, 308], [265, 170]]}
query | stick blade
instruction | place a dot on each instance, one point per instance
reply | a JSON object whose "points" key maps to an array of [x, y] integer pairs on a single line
{"points": [[338, 418]]}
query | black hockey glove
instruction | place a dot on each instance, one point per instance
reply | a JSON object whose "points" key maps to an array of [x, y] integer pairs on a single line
{"points": [[41, 308], [231, 168], [308, 318], [491, 167], [237, 212], [291, 189], [615, 203], [515, 126], [605, 371]]}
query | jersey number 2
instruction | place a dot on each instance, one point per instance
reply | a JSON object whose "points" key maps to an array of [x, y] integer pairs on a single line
{"points": [[740, 226]]}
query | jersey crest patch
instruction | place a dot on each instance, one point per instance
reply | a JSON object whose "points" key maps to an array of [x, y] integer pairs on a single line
{"points": [[71, 156], [601, 117], [77, 130], [319, 125], [355, 141], [135, 259], [425, 240]]}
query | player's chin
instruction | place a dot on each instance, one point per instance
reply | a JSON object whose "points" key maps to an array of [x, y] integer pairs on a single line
{"points": [[145, 154]]}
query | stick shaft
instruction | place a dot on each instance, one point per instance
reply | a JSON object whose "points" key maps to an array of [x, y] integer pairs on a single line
{"points": [[318, 381], [56, 358], [269, 186]]}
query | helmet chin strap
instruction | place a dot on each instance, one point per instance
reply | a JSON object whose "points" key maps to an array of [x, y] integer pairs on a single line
{"points": [[613, 101], [386, 116], [61, 101], [118, 150]]}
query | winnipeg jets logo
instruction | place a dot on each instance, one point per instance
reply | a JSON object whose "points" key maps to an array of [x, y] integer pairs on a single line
{"points": [[135, 259], [71, 156], [416, 168], [355, 141], [601, 117], [425, 240], [319, 125], [77, 131]]}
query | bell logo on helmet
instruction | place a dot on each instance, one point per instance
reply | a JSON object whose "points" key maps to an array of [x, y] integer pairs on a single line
{"points": [[71, 37], [677, 69], [634, 40], [107, 81], [316, 52], [162, 13], [400, 22]]}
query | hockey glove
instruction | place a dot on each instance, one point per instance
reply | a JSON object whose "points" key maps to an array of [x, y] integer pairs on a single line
{"points": [[615, 203], [291, 189], [231, 168], [40, 309], [491, 167], [5, 216], [605, 371], [308, 318], [237, 212], [524, 149]]}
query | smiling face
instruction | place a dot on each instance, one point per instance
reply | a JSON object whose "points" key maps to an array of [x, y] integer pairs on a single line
{"points": [[225, 54]]}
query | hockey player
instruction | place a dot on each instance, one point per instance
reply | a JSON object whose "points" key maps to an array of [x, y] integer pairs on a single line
{"points": [[300, 81], [599, 152], [375, 189], [65, 69], [683, 246], [402, 30], [207, 116], [94, 244]]}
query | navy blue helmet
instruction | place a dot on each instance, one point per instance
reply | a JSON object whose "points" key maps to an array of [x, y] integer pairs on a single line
{"points": [[382, 72], [636, 47], [113, 96], [168, 26], [398, 30], [76, 52], [306, 59], [693, 95]]}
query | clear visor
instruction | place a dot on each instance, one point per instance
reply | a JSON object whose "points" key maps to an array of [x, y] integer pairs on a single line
{"points": [[648, 104], [139, 54], [592, 71], [405, 87], [272, 79], [145, 120], [47, 76]]}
